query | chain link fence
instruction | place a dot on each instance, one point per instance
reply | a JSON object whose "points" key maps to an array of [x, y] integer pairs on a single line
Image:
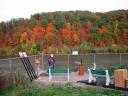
{"points": [[9, 68], [103, 61]]}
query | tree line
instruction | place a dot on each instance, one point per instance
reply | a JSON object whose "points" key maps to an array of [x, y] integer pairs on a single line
{"points": [[62, 32]]}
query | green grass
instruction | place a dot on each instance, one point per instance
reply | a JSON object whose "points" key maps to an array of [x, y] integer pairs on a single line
{"points": [[60, 90]]}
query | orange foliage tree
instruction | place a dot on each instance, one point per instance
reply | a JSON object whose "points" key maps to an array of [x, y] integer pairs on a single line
{"points": [[24, 37], [75, 39], [84, 34], [50, 27], [38, 31], [103, 29], [49, 38]]}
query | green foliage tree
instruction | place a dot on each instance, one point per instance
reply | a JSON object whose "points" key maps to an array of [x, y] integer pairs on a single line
{"points": [[59, 23], [65, 50], [45, 21], [86, 47], [3, 27], [99, 22], [95, 35], [36, 16]]}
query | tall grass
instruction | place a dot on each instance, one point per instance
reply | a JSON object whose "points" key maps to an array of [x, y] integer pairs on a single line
{"points": [[22, 87], [60, 90], [14, 78]]}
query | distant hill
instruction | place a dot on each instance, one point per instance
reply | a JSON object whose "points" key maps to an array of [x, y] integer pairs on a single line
{"points": [[62, 32]]}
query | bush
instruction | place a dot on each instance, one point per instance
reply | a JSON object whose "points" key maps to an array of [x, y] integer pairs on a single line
{"points": [[115, 48], [7, 52], [122, 66]]}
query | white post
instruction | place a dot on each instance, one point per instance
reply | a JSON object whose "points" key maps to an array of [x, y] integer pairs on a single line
{"points": [[107, 78], [68, 69], [90, 78], [42, 61], [68, 75], [94, 66], [94, 63], [50, 75]]}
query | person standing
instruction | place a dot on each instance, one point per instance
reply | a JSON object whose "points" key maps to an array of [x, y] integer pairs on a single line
{"points": [[51, 62], [37, 65]]}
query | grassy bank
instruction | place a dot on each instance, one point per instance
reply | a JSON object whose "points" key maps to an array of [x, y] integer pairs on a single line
{"points": [[60, 90]]}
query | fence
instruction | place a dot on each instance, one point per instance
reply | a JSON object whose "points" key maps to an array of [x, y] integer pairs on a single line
{"points": [[104, 61], [11, 67]]}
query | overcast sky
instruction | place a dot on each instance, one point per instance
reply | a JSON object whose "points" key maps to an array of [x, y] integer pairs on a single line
{"points": [[24, 8]]}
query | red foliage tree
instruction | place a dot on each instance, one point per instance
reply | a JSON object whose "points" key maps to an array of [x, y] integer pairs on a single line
{"points": [[84, 34], [66, 36], [66, 32], [5, 40], [126, 37]]}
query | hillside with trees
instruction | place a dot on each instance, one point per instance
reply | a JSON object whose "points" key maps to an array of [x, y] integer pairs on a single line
{"points": [[64, 31]]}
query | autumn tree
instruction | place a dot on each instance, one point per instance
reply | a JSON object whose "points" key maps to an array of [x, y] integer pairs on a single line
{"points": [[50, 28], [126, 37], [84, 34], [36, 16], [45, 21], [38, 31], [59, 21], [99, 22], [15, 39], [116, 29], [73, 19], [3, 27], [88, 24], [65, 28], [75, 39], [24, 37], [86, 47], [50, 38], [5, 40], [95, 35], [32, 23], [66, 36]]}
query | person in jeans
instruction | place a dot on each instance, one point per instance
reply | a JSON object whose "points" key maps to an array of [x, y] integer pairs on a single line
{"points": [[51, 62]]}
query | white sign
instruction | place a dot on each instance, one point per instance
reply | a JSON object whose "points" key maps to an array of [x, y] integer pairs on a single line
{"points": [[74, 52]]}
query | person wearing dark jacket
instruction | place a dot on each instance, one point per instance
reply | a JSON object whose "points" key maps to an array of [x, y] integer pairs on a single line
{"points": [[51, 62]]}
